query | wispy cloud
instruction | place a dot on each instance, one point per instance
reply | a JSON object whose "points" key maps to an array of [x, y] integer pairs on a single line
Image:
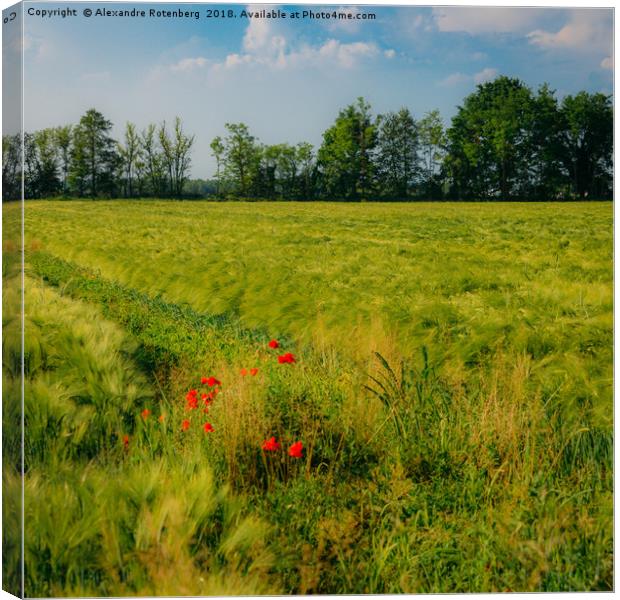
{"points": [[485, 75], [455, 79], [186, 65], [486, 19], [461, 78]]}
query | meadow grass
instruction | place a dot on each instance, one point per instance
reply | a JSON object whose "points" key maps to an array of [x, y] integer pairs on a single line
{"points": [[452, 389]]}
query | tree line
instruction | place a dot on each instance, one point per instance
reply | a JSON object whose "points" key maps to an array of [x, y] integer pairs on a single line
{"points": [[505, 142], [83, 160]]}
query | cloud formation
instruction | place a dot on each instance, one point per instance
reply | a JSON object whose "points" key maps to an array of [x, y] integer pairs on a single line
{"points": [[586, 29], [486, 19], [265, 43], [461, 78]]}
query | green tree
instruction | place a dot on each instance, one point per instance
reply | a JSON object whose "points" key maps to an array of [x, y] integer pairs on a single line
{"points": [[432, 142], [218, 149], [397, 160], [241, 157], [153, 160], [48, 181], [346, 157], [588, 143], [547, 176], [94, 158], [130, 153], [306, 161], [64, 138], [489, 141]]}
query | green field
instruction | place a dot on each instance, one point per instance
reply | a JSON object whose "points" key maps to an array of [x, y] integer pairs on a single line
{"points": [[452, 390]]}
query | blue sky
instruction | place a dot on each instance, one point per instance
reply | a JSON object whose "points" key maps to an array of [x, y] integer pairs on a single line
{"points": [[287, 79]]}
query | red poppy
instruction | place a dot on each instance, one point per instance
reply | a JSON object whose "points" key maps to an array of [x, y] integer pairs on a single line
{"points": [[203, 380], [253, 371], [271, 445], [244, 372], [286, 358], [145, 413], [161, 418], [192, 403], [192, 393], [185, 425], [295, 450], [125, 441], [213, 381], [274, 344], [207, 427], [203, 396]]}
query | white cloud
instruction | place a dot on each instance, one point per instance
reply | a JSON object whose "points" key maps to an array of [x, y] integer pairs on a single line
{"points": [[190, 64], [455, 79], [265, 43], [486, 19], [586, 29], [461, 78], [608, 63], [485, 75]]}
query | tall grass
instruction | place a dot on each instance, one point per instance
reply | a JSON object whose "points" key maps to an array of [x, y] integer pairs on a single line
{"points": [[457, 435]]}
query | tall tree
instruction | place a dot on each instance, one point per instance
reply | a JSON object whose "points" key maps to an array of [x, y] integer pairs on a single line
{"points": [[241, 157], [432, 140], [153, 160], [130, 153], [218, 149], [397, 159], [305, 160], [64, 138], [547, 177], [181, 152], [489, 141], [47, 163], [588, 143], [346, 157], [94, 158]]}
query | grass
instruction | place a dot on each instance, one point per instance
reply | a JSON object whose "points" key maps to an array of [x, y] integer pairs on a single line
{"points": [[453, 392]]}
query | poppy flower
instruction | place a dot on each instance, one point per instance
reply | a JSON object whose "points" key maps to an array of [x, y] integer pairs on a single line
{"points": [[161, 418], [185, 425], [192, 393], [253, 371], [125, 441], [192, 403], [204, 380], [274, 344], [145, 413], [295, 450], [213, 381], [271, 445], [244, 372], [207, 427], [286, 358]]}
